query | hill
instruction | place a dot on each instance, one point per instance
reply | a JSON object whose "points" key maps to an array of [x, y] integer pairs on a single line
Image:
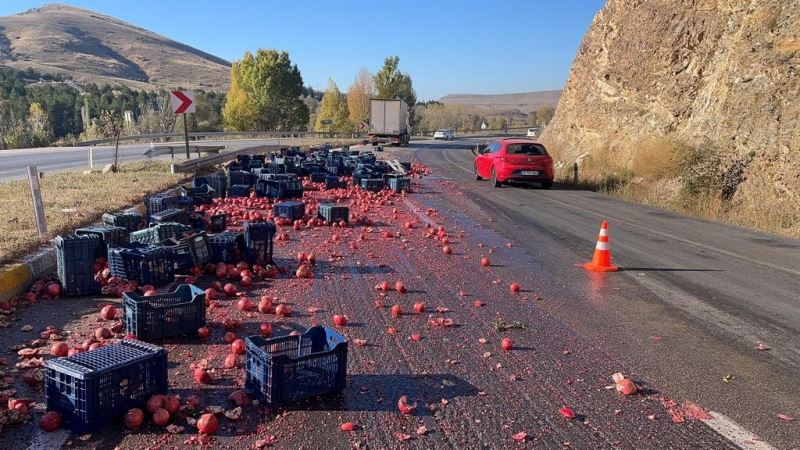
{"points": [[712, 83], [523, 102], [92, 47]]}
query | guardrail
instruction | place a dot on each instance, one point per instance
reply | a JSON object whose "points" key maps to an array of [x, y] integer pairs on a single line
{"points": [[196, 136], [196, 164]]}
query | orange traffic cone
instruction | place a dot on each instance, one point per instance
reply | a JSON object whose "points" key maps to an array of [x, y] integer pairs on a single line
{"points": [[602, 253]]}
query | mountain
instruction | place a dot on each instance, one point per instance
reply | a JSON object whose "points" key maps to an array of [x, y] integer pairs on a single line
{"points": [[715, 75], [524, 102], [92, 47]]}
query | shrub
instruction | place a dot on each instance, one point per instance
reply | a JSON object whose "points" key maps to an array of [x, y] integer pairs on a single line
{"points": [[699, 170]]}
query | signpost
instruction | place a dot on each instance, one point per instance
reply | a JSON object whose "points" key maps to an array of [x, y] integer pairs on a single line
{"points": [[328, 122], [183, 103], [36, 195]]}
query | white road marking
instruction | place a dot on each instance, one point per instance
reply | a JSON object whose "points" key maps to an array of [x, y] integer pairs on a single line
{"points": [[735, 433]]}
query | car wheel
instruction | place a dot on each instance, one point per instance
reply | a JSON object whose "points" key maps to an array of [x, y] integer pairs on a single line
{"points": [[547, 184], [495, 183], [477, 177]]}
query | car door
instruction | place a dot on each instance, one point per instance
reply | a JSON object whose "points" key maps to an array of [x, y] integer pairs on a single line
{"points": [[485, 159]]}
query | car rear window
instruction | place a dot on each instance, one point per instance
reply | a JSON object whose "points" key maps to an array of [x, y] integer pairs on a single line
{"points": [[525, 149]]}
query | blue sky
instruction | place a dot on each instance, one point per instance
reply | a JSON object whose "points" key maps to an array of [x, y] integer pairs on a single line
{"points": [[478, 47]]}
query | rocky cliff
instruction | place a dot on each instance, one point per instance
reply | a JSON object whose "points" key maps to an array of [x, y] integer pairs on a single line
{"points": [[723, 72]]}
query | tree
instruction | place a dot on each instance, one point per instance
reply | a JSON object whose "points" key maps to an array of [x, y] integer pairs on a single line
{"points": [[111, 126], [265, 94], [333, 107], [545, 114], [358, 96], [39, 128], [391, 83]]}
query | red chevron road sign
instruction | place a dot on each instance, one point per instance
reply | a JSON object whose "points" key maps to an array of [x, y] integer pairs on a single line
{"points": [[182, 102]]}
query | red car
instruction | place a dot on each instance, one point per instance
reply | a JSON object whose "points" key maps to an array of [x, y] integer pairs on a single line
{"points": [[515, 160]]}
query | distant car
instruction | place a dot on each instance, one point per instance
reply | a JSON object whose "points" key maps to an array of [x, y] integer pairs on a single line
{"points": [[447, 135], [533, 132], [514, 160]]}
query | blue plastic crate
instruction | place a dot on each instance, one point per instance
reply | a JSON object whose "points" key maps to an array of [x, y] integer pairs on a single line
{"points": [[318, 177], [289, 210], [159, 232], [333, 212], [175, 215], [175, 313], [334, 183], [258, 242], [227, 247], [288, 188], [159, 202], [202, 195], [110, 236], [398, 184], [372, 184], [239, 190], [240, 177], [290, 368], [75, 256], [190, 251], [217, 181], [143, 263], [131, 221], [197, 221], [94, 388]]}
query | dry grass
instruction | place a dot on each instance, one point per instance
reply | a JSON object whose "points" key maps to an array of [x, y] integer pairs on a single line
{"points": [[655, 158], [72, 200]]}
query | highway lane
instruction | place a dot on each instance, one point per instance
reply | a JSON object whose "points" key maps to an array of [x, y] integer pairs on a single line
{"points": [[706, 293], [57, 159]]}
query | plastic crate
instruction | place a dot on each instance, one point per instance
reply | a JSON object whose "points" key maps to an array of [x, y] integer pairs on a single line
{"points": [[275, 168], [318, 177], [197, 221], [398, 184], [159, 202], [109, 237], [372, 184], [290, 210], [131, 221], [142, 263], [217, 181], [227, 247], [239, 190], [291, 188], [175, 313], [333, 212], [334, 183], [175, 215], [75, 263], [258, 242], [159, 232], [202, 195], [334, 170], [290, 368], [218, 223], [239, 177], [96, 387]]}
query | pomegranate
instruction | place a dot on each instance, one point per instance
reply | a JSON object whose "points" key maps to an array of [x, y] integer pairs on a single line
{"points": [[108, 312], [102, 333], [172, 404], [383, 286], [238, 347], [265, 305], [347, 426], [50, 421], [485, 262], [245, 304], [59, 349], [266, 329], [283, 310], [134, 418], [207, 424], [155, 403], [404, 407], [239, 398], [515, 288], [419, 308], [447, 250], [52, 289], [211, 294], [339, 321], [203, 332], [231, 361], [567, 413], [230, 337], [507, 344], [624, 385], [396, 311], [400, 287], [161, 417], [229, 289], [202, 376], [151, 293]]}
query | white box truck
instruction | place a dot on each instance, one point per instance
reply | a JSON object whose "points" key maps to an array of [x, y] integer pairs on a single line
{"points": [[388, 121]]}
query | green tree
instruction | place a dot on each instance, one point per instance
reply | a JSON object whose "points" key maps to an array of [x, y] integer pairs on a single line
{"points": [[333, 107], [391, 83], [39, 129], [265, 95]]}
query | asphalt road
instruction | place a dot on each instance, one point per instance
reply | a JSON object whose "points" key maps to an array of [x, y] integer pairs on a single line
{"points": [[707, 293], [58, 159]]}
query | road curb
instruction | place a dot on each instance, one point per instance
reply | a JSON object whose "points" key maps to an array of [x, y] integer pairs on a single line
{"points": [[16, 279]]}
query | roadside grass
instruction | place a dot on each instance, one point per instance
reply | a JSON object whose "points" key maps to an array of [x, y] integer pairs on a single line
{"points": [[694, 180], [72, 200]]}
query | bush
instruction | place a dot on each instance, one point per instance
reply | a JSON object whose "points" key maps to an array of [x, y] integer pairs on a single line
{"points": [[656, 157], [699, 170]]}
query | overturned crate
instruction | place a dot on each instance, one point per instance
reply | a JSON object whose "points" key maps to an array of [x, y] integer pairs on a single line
{"points": [[131, 221], [399, 184], [217, 181], [258, 241], [203, 195], [189, 251], [159, 232], [96, 387], [176, 215], [75, 255], [291, 368], [372, 184], [109, 237], [175, 313], [290, 210], [218, 223], [332, 212], [227, 247], [154, 204], [145, 264]]}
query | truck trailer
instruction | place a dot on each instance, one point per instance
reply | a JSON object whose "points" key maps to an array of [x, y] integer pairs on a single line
{"points": [[388, 121]]}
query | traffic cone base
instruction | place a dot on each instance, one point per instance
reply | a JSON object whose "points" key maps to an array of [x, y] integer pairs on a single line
{"points": [[601, 262]]}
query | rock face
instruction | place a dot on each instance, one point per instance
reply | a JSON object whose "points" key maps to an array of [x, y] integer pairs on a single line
{"points": [[725, 71], [88, 46]]}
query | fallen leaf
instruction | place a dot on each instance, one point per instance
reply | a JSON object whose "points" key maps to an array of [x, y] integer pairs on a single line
{"points": [[729, 377]]}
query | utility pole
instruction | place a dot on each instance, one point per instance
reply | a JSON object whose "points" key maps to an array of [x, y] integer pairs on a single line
{"points": [[186, 133]]}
